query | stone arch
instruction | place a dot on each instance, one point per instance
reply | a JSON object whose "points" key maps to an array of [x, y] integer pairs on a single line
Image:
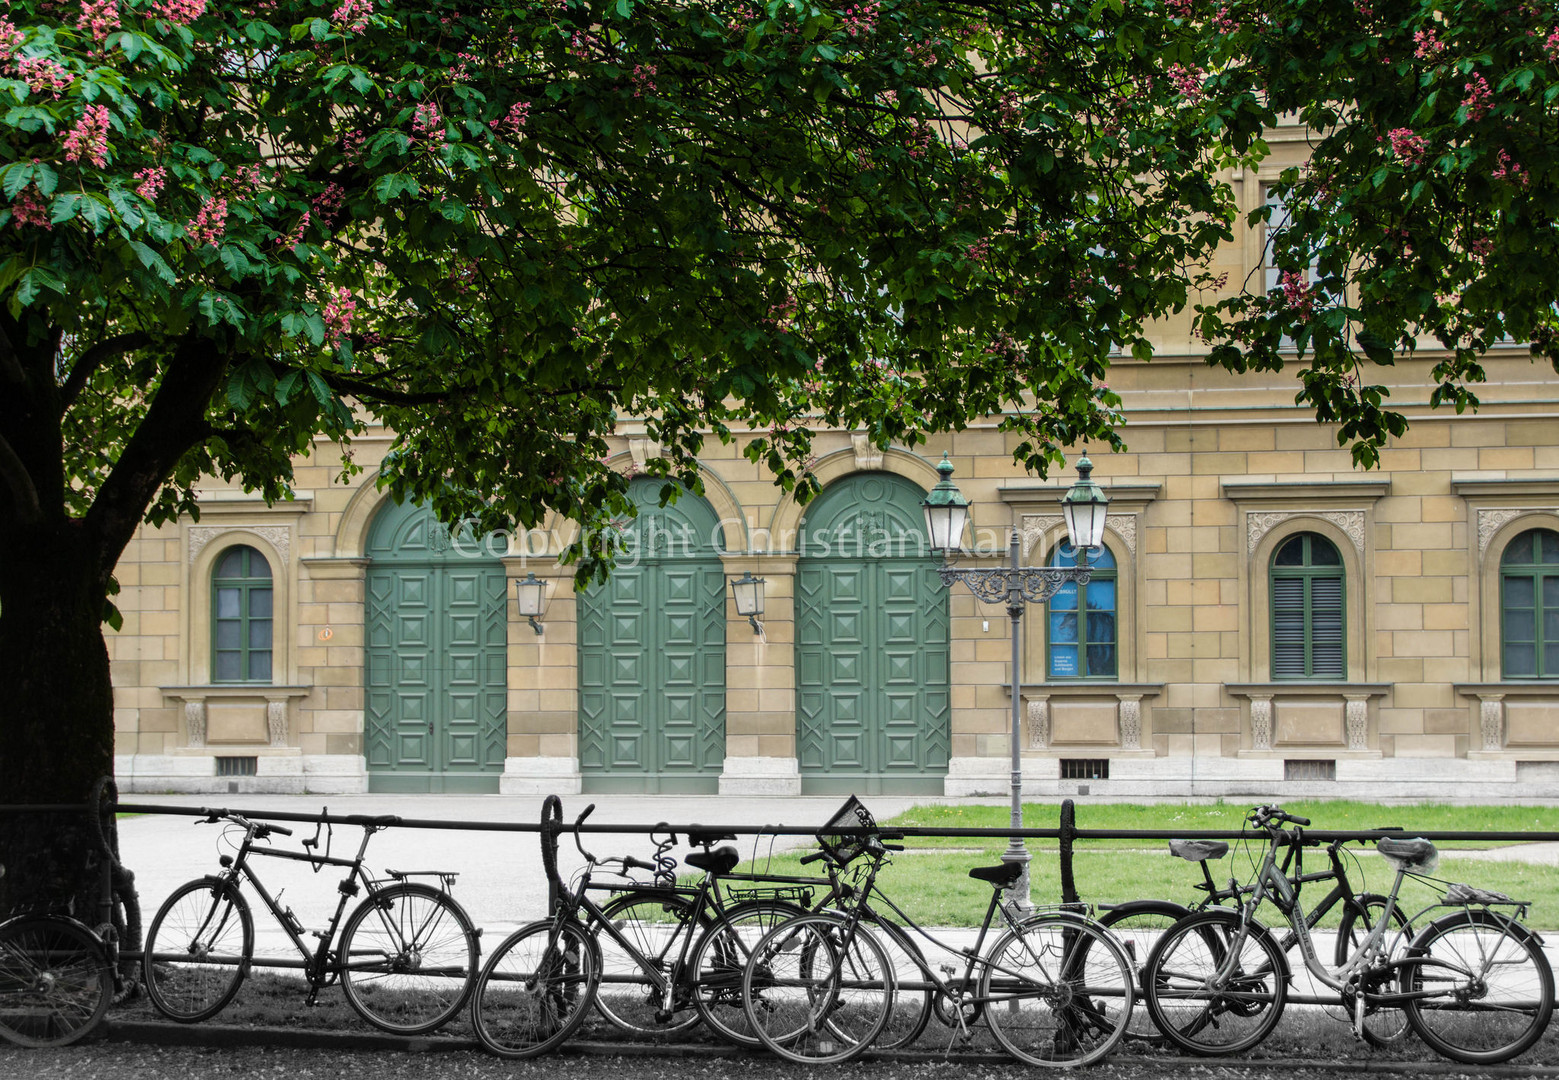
{"points": [[785, 522], [1489, 582]]}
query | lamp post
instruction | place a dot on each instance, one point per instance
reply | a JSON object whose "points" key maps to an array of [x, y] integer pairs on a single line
{"points": [[947, 511]]}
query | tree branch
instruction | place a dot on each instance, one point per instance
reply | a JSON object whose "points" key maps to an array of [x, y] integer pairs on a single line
{"points": [[20, 482], [93, 358]]}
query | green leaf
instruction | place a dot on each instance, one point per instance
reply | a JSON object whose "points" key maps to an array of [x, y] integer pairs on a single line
{"points": [[287, 385], [321, 390]]}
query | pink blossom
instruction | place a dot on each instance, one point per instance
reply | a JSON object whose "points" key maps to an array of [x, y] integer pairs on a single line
{"points": [[1298, 294], [327, 204], [1225, 22], [1479, 97], [511, 123], [209, 224], [42, 74], [352, 146], [353, 15], [462, 275], [151, 182], [1429, 47], [427, 121], [246, 180], [296, 236], [98, 18], [580, 44], [978, 251], [1510, 169], [643, 79], [1188, 80], [1481, 246], [180, 12], [10, 39], [861, 19], [1407, 146], [1551, 46], [28, 208], [89, 138], [338, 313], [1180, 9]]}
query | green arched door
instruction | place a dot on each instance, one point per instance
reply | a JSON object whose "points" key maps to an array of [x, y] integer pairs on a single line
{"points": [[873, 712], [652, 655], [436, 643]]}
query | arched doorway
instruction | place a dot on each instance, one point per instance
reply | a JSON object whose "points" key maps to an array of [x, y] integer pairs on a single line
{"points": [[435, 654], [873, 710], [652, 655]]}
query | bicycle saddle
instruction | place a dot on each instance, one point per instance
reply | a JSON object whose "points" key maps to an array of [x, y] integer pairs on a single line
{"points": [[1002, 876], [722, 860], [1408, 854], [1199, 850]]}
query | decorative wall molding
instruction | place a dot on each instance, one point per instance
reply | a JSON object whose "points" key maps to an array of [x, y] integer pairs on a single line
{"points": [[279, 536], [195, 722], [1356, 720], [1037, 526], [1039, 723], [1492, 521], [1260, 723], [276, 720], [641, 450], [1131, 722], [1491, 716], [1258, 523], [868, 455]]}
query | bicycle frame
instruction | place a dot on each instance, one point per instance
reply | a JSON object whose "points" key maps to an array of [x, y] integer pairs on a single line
{"points": [[316, 962]]}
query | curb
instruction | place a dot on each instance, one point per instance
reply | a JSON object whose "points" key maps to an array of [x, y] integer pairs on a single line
{"points": [[159, 1033]]}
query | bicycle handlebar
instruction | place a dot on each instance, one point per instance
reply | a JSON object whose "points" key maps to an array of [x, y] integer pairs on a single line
{"points": [[260, 829], [1269, 816]]}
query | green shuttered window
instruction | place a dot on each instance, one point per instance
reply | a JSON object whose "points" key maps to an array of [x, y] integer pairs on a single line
{"points": [[1529, 606], [1308, 625], [241, 596]]}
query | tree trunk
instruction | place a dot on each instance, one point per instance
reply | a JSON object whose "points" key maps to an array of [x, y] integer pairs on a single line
{"points": [[56, 716]]}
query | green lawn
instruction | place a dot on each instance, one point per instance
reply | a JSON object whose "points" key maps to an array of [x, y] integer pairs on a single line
{"points": [[930, 881]]}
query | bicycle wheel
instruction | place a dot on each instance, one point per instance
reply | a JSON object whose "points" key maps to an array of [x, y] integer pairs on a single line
{"points": [[1488, 990], [408, 958], [56, 981], [1383, 1024], [912, 1004], [535, 989], [198, 950], [719, 959], [1057, 991], [1138, 925], [1201, 1011], [655, 924], [818, 990]]}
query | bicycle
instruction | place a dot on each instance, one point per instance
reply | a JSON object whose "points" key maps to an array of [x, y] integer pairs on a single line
{"points": [[58, 975], [1139, 924], [406, 958], [670, 948], [1474, 984], [1053, 988]]}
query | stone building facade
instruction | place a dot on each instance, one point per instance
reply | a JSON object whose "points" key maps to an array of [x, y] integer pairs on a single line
{"points": [[1272, 622]]}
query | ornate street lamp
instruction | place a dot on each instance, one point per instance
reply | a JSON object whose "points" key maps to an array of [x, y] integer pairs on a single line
{"points": [[1083, 507], [748, 593]]}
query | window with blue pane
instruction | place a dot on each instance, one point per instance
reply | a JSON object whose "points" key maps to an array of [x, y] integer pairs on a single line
{"points": [[1529, 606], [241, 595], [1081, 628]]}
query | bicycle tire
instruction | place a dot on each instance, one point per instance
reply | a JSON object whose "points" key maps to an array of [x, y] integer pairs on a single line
{"points": [[408, 958], [818, 990], [1138, 925], [198, 950], [56, 981], [1383, 1024], [719, 959], [1503, 1003], [1057, 991], [1226, 1019], [912, 1008], [535, 989], [655, 923]]}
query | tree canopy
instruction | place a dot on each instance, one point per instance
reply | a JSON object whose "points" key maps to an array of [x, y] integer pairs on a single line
{"points": [[1427, 215]]}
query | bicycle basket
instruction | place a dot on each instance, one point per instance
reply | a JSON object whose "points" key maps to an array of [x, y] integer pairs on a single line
{"points": [[843, 847]]}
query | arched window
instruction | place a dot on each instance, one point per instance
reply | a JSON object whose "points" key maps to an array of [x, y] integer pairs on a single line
{"points": [[1529, 606], [241, 617], [1308, 631], [1081, 636]]}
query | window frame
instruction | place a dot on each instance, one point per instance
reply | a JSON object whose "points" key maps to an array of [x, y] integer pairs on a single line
{"points": [[247, 584], [1307, 572], [1111, 574], [1536, 572]]}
